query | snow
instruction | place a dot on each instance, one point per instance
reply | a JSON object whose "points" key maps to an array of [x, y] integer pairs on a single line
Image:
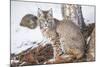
{"points": [[14, 61], [89, 14], [21, 35], [88, 39]]}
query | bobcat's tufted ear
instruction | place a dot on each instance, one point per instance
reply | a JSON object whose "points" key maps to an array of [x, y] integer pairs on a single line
{"points": [[39, 12], [50, 12]]}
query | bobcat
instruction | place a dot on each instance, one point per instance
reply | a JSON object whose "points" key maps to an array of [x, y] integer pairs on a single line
{"points": [[65, 36]]}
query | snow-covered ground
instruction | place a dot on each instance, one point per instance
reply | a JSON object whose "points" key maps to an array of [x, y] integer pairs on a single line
{"points": [[20, 35]]}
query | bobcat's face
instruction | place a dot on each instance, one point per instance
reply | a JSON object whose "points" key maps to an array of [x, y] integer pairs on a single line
{"points": [[45, 19]]}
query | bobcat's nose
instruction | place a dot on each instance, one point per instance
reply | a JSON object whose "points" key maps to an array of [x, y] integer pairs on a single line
{"points": [[46, 25]]}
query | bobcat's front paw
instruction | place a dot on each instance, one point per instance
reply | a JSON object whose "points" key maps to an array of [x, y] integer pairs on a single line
{"points": [[51, 61], [59, 59]]}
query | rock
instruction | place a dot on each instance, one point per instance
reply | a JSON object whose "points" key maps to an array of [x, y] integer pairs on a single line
{"points": [[88, 30], [29, 21]]}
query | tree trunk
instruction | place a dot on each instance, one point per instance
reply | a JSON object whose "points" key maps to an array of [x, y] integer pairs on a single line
{"points": [[74, 13], [80, 18]]}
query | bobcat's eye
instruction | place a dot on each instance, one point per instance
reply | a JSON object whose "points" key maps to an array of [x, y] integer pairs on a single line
{"points": [[49, 21], [42, 21]]}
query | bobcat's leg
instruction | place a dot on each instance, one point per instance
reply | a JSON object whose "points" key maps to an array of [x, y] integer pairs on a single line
{"points": [[57, 50], [57, 47]]}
